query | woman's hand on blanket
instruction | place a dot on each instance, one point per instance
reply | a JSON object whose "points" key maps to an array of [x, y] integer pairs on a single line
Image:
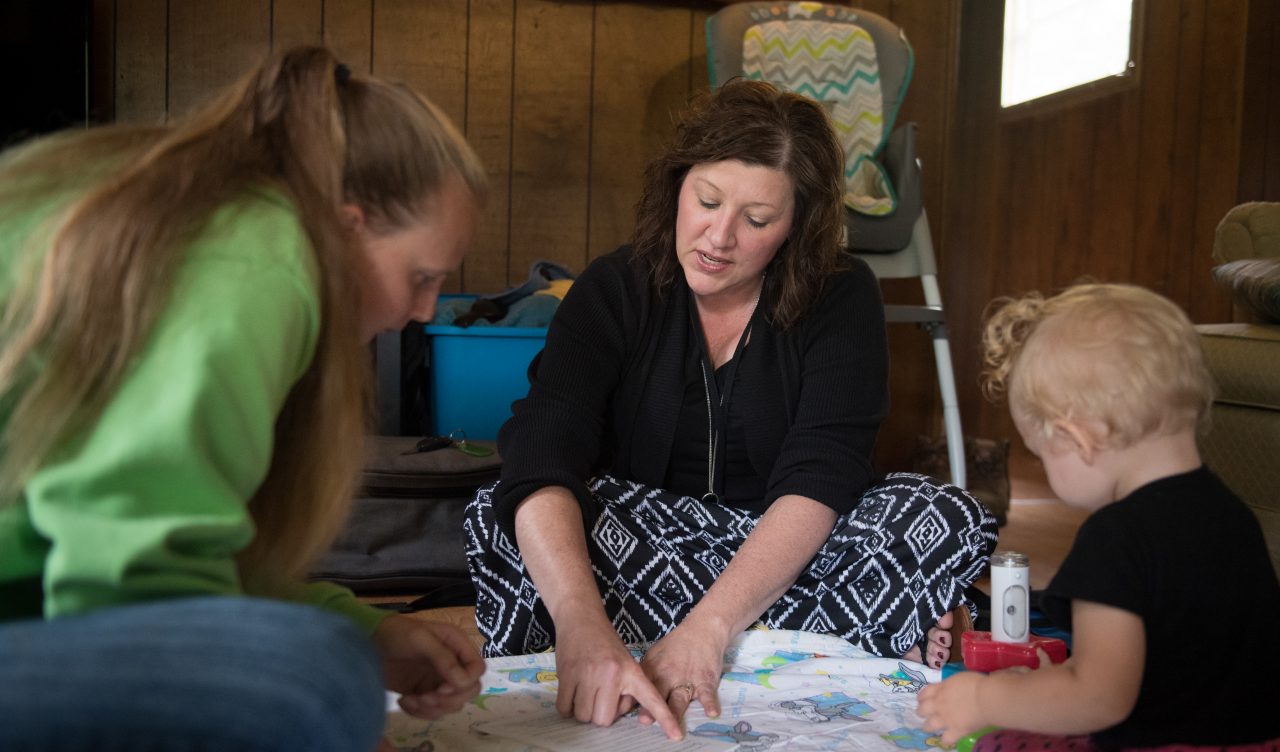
{"points": [[951, 707], [600, 680], [685, 665], [434, 666]]}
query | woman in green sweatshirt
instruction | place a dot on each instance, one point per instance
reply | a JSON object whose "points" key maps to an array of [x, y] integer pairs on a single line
{"points": [[183, 396]]}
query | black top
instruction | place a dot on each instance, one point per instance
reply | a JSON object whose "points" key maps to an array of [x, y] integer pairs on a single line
{"points": [[1188, 557], [738, 482], [608, 391]]}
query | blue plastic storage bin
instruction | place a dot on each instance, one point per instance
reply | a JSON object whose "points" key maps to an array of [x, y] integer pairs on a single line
{"points": [[476, 373]]}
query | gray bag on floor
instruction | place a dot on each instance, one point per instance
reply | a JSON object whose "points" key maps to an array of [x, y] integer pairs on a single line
{"points": [[404, 535]]}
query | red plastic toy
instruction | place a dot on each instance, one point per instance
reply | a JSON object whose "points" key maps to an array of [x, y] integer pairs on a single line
{"points": [[981, 653]]}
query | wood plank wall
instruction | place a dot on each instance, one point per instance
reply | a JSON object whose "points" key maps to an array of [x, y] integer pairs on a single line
{"points": [[564, 100], [1127, 188], [1260, 139]]}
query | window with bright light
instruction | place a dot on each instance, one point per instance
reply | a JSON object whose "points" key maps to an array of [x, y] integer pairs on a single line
{"points": [[1055, 45]]}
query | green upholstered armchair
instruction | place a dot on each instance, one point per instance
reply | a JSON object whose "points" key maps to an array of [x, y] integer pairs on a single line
{"points": [[1243, 442]]}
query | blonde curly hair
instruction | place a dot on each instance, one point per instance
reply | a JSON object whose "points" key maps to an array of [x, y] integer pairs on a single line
{"points": [[1118, 356]]}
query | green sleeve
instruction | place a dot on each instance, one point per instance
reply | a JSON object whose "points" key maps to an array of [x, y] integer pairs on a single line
{"points": [[331, 597], [152, 502]]}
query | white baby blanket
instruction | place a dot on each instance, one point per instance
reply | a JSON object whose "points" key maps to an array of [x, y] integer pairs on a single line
{"points": [[781, 690]]}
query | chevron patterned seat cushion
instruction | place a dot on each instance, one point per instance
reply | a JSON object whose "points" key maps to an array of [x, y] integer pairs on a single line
{"points": [[832, 60]]}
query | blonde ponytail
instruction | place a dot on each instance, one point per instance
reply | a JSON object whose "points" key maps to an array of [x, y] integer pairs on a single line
{"points": [[122, 203]]}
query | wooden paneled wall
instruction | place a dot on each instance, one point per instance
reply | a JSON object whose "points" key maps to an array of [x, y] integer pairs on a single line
{"points": [[564, 100], [1127, 188], [1260, 132]]}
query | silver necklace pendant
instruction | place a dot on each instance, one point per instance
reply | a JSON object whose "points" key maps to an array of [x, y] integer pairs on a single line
{"points": [[711, 497]]}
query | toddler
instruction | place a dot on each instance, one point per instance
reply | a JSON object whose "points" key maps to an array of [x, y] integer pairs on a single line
{"points": [[1168, 590]]}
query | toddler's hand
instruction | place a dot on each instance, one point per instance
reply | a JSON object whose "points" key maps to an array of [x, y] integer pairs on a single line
{"points": [[950, 708]]}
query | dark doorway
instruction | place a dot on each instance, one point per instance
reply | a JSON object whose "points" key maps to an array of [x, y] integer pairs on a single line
{"points": [[44, 48]]}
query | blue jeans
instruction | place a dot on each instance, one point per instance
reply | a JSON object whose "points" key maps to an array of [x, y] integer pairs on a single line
{"points": [[216, 673]]}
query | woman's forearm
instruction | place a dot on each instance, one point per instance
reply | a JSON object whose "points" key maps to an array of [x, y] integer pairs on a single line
{"points": [[766, 566], [553, 545]]}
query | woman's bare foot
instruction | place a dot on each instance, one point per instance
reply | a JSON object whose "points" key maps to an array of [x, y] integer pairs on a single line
{"points": [[939, 650]]}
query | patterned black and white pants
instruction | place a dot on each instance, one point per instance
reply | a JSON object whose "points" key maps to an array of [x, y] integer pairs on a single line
{"points": [[889, 570]]}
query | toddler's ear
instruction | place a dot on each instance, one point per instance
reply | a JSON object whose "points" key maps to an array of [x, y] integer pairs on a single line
{"points": [[1079, 437]]}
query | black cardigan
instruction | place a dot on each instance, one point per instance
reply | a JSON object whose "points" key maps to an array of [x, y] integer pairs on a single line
{"points": [[606, 391]]}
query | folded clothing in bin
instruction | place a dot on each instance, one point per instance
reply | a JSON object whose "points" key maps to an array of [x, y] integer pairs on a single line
{"points": [[531, 303], [466, 311]]}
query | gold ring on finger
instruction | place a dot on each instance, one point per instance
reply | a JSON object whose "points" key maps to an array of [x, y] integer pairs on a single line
{"points": [[688, 687]]}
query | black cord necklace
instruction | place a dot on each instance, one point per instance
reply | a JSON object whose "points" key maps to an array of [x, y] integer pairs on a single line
{"points": [[717, 409]]}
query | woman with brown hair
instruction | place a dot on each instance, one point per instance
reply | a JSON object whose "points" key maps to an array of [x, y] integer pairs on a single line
{"points": [[694, 453], [183, 398]]}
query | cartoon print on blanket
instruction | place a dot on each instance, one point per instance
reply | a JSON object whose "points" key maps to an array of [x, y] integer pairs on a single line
{"points": [[824, 707], [904, 680], [781, 690], [529, 675], [740, 734]]}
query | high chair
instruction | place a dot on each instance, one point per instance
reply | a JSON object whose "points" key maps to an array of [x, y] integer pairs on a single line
{"points": [[858, 65]]}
